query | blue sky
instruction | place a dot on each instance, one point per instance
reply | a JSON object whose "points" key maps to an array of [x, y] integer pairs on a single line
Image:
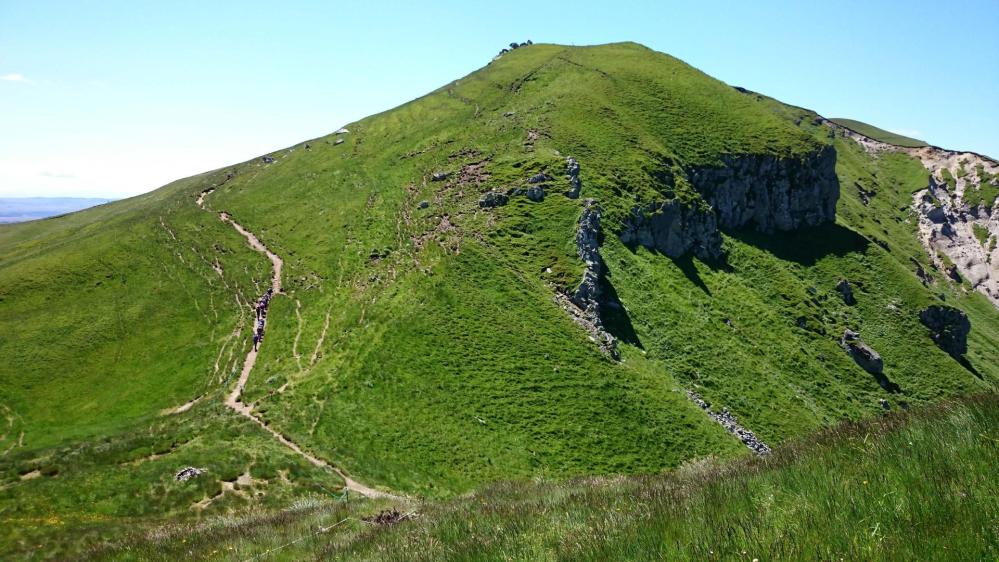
{"points": [[117, 98]]}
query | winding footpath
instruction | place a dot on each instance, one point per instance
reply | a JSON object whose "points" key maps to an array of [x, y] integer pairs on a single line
{"points": [[234, 399]]}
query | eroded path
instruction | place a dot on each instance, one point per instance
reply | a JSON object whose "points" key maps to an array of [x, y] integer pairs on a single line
{"points": [[233, 400]]}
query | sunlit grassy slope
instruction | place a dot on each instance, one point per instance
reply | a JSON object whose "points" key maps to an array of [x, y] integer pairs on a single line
{"points": [[878, 134], [420, 348], [899, 487]]}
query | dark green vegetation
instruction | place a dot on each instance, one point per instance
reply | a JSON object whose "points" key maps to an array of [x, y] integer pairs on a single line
{"points": [[420, 348], [898, 487], [879, 134]]}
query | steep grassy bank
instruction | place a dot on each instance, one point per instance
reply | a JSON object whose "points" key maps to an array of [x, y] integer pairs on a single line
{"points": [[917, 486]]}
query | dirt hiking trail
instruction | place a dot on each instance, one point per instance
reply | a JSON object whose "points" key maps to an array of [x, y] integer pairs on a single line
{"points": [[233, 399]]}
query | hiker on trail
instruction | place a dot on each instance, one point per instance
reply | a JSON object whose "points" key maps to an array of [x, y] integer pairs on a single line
{"points": [[256, 340]]}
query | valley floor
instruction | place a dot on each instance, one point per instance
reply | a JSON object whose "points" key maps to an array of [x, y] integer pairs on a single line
{"points": [[903, 486]]}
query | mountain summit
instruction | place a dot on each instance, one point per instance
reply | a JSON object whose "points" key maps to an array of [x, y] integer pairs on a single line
{"points": [[575, 260]]}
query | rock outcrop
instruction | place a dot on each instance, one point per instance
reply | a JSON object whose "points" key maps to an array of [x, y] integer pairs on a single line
{"points": [[863, 354], [958, 224], [949, 328], [673, 228], [845, 290], [572, 173], [770, 193], [585, 302], [765, 193]]}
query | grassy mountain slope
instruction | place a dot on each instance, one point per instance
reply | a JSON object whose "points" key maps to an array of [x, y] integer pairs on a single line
{"points": [[878, 134], [419, 346], [899, 487]]}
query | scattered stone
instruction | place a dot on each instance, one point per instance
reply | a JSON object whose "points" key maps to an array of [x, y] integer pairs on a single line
{"points": [[731, 424], [539, 178], [509, 114], [536, 193], [389, 517], [267, 159], [439, 176], [493, 199], [187, 473], [863, 354], [949, 328], [846, 291], [572, 172], [423, 204]]}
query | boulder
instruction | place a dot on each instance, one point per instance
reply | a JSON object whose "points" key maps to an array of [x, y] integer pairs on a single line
{"points": [[539, 178], [267, 159], [949, 328], [493, 199], [863, 354], [846, 291], [187, 473], [439, 176], [424, 204], [536, 193]]}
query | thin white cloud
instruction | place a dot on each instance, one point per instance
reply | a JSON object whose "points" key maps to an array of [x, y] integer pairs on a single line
{"points": [[59, 175], [913, 133], [14, 77]]}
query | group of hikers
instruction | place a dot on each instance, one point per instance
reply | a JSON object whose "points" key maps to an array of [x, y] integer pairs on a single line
{"points": [[258, 329]]}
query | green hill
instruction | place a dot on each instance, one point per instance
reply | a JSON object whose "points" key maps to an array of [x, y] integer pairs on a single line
{"points": [[879, 134], [422, 342]]}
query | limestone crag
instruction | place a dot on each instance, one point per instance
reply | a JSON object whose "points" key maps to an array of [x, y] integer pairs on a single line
{"points": [[674, 229], [771, 193], [949, 328], [765, 193], [584, 304], [947, 222], [951, 209]]}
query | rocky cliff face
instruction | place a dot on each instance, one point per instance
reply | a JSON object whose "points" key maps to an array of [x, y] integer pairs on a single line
{"points": [[770, 193], [674, 229], [958, 213], [955, 225], [584, 305], [766, 193]]}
